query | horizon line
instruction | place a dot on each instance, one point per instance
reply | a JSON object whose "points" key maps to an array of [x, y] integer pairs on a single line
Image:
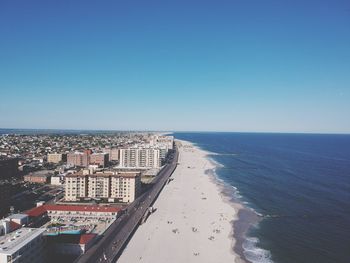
{"points": [[177, 131]]}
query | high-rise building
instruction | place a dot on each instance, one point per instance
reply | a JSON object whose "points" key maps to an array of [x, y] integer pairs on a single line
{"points": [[125, 187], [140, 158], [86, 158], [100, 159], [113, 153], [76, 186], [99, 185], [110, 186]]}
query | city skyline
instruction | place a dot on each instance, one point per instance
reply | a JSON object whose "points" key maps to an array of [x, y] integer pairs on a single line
{"points": [[185, 66]]}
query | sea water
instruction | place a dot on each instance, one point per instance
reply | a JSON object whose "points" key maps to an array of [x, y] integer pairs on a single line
{"points": [[298, 184]]}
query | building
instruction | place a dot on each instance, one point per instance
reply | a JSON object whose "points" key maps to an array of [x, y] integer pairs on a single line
{"points": [[8, 168], [56, 180], [128, 157], [56, 157], [79, 212], [26, 245], [99, 185], [140, 158], [113, 153], [71, 245], [19, 219], [12, 223], [167, 141], [125, 187], [100, 159], [40, 177], [76, 159], [109, 186], [76, 186], [86, 158]]}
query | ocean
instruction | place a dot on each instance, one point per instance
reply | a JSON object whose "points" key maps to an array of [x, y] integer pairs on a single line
{"points": [[298, 184]]}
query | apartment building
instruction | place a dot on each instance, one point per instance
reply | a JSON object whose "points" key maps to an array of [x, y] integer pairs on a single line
{"points": [[125, 187], [76, 186], [113, 153], [100, 159], [99, 185], [56, 157], [140, 158], [110, 186], [26, 245], [167, 141], [84, 159]]}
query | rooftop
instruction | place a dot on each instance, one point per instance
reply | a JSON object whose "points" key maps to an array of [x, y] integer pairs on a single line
{"points": [[18, 216], [12, 242], [40, 210]]}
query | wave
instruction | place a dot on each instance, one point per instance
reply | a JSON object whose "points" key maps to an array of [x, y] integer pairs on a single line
{"points": [[250, 248], [255, 254]]}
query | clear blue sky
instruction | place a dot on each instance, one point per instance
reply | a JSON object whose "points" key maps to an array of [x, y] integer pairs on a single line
{"points": [[239, 65]]}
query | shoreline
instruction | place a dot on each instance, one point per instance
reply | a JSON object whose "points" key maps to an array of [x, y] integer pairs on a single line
{"points": [[195, 220], [245, 220], [245, 217]]}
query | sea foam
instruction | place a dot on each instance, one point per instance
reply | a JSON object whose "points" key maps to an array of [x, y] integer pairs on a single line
{"points": [[255, 254]]}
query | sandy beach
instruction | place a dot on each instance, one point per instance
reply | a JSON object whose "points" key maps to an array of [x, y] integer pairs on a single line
{"points": [[193, 221]]}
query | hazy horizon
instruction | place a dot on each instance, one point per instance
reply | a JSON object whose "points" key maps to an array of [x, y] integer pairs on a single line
{"points": [[171, 131]]}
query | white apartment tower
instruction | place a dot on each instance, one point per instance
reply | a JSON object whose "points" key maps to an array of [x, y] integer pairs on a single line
{"points": [[140, 158]]}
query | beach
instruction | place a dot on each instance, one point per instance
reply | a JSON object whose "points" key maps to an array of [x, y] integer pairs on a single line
{"points": [[193, 221]]}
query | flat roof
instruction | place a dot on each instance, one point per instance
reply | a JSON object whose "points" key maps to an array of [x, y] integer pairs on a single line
{"points": [[18, 216], [40, 210], [12, 242], [82, 208]]}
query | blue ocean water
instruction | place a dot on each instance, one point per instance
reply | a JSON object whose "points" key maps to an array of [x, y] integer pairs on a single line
{"points": [[299, 183]]}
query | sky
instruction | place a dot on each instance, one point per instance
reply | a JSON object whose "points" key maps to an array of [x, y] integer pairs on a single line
{"points": [[238, 65]]}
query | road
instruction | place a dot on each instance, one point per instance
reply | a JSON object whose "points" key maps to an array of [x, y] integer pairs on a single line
{"points": [[109, 248]]}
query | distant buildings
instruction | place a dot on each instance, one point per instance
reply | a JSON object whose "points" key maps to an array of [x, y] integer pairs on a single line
{"points": [[84, 159], [113, 153], [110, 186], [56, 157], [40, 177], [100, 159], [24, 245], [166, 141], [146, 156], [79, 158]]}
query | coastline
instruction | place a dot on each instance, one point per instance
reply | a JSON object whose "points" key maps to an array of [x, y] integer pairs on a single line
{"points": [[195, 220], [245, 217]]}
